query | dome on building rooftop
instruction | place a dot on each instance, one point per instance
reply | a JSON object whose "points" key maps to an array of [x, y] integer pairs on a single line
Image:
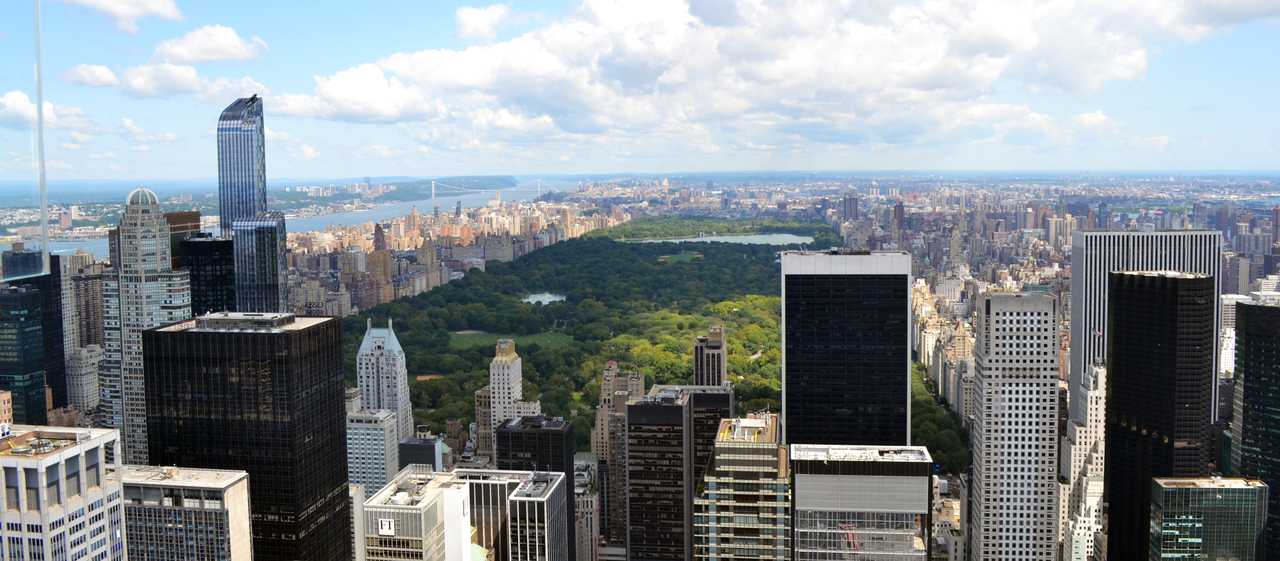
{"points": [[142, 196]]}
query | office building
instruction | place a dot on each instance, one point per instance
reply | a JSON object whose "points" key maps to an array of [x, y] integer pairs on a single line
{"points": [[426, 448], [90, 307], [861, 502], [62, 493], [748, 480], [846, 348], [670, 439], [1082, 454], [261, 393], [484, 422], [186, 514], [18, 262], [261, 268], [1207, 518], [1256, 426], [1015, 486], [608, 444], [505, 393], [53, 343], [355, 503], [612, 381], [849, 208], [82, 378], [22, 352], [539, 444], [373, 448], [142, 291], [182, 225], [710, 360], [419, 514], [242, 168], [1160, 378], [211, 264], [383, 377], [586, 509]]}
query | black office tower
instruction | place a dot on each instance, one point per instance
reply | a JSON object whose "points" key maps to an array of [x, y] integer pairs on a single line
{"points": [[846, 330], [1160, 346], [539, 444], [54, 347], [211, 262], [261, 393], [21, 353], [1257, 430]]}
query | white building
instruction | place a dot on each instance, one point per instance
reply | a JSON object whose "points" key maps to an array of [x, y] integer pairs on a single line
{"points": [[1015, 429], [187, 514], [82, 377], [373, 455], [63, 498], [506, 388], [383, 376], [142, 291]]}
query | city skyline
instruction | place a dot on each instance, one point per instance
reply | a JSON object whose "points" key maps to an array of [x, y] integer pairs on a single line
{"points": [[478, 89]]}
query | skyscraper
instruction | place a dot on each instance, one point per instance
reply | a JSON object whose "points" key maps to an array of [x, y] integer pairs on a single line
{"points": [[211, 265], [53, 345], [710, 362], [1256, 427], [1160, 378], [608, 443], [383, 377], [749, 479], [539, 444], [1082, 453], [261, 269], [82, 378], [1017, 401], [506, 389], [142, 291], [186, 514], [261, 393], [419, 511], [242, 168], [846, 359], [372, 447], [861, 502], [22, 353], [1207, 518]]}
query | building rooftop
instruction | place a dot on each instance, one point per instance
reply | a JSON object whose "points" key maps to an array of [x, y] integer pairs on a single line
{"points": [[245, 322], [534, 422], [755, 429], [39, 441], [1164, 274], [849, 453], [413, 487], [1210, 482], [165, 476], [539, 485]]}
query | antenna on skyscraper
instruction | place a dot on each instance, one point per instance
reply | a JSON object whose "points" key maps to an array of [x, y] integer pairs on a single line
{"points": [[40, 178]]}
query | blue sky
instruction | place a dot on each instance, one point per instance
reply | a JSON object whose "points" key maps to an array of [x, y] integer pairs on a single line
{"points": [[431, 88]]}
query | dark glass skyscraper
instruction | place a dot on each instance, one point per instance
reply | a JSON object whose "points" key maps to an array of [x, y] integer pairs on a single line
{"points": [[1160, 376], [846, 331], [262, 274], [538, 444], [21, 353], [211, 264], [1258, 426], [242, 168], [710, 364], [53, 345], [261, 393]]}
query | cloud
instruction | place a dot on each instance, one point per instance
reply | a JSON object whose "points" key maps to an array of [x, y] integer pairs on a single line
{"points": [[19, 112], [223, 90], [159, 79], [209, 43], [140, 135], [481, 23], [308, 152], [80, 137], [127, 12], [91, 75], [1093, 120]]}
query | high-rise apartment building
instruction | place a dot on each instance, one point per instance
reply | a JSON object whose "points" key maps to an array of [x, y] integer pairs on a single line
{"points": [[82, 378], [539, 444], [211, 264], [383, 377], [87, 285], [1014, 489], [506, 391], [142, 291], [1160, 379], [261, 393], [62, 498], [186, 514], [613, 380], [608, 444], [22, 353], [748, 480], [670, 439], [1256, 426], [373, 447], [483, 401], [710, 360], [242, 168], [861, 502], [1207, 518], [261, 269], [846, 348]]}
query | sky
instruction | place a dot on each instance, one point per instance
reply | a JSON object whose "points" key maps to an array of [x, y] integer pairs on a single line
{"points": [[133, 88]]}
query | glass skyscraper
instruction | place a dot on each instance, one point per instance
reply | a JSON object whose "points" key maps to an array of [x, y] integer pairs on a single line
{"points": [[1256, 427], [1207, 518], [242, 168], [262, 275]]}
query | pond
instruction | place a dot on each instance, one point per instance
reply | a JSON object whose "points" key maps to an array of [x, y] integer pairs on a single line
{"points": [[543, 298]]}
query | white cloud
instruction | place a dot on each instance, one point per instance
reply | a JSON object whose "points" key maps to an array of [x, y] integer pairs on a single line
{"points": [[308, 152], [209, 43], [69, 146], [1157, 143], [273, 134], [1093, 120], [80, 137], [481, 23], [19, 111], [223, 90], [149, 80], [91, 75], [127, 12], [140, 135]]}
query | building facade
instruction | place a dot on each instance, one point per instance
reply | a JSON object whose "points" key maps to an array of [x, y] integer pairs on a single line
{"points": [[22, 353], [1083, 447], [53, 346], [846, 338], [744, 508], [506, 390], [1015, 487], [242, 162], [1207, 518], [261, 393], [373, 448], [1256, 427], [82, 378], [186, 514], [419, 514], [539, 444], [261, 268], [211, 264], [710, 358], [1160, 379], [383, 377]]}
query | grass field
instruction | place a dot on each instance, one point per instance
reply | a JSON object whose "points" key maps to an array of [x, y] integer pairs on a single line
{"points": [[470, 339]]}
